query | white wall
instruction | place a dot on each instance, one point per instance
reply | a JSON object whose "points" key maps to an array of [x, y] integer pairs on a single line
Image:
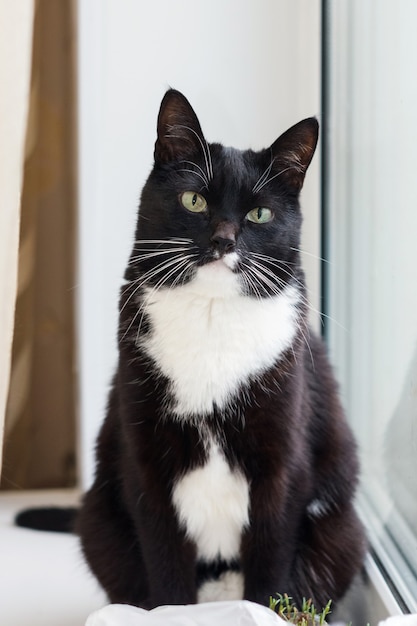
{"points": [[250, 68]]}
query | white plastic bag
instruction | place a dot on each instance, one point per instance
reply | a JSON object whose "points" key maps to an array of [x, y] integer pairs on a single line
{"points": [[237, 613]]}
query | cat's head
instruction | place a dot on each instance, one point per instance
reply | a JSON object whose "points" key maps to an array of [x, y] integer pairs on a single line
{"points": [[207, 206]]}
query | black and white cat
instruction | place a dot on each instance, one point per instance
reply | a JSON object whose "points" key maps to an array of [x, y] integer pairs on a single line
{"points": [[225, 467]]}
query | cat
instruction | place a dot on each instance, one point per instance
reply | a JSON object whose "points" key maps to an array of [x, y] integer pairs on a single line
{"points": [[225, 467]]}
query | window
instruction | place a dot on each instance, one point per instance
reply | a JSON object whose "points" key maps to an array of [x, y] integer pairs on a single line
{"points": [[370, 182]]}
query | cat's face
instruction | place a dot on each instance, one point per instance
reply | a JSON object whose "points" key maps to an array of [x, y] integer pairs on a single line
{"points": [[207, 205]]}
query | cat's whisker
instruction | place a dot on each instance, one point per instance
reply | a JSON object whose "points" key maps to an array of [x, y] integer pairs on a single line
{"points": [[257, 276], [303, 297], [250, 283], [186, 266], [205, 149], [272, 260], [325, 316], [154, 253], [264, 176], [269, 283], [268, 180], [159, 269], [263, 279], [269, 272], [277, 264], [148, 276], [307, 343], [314, 256], [178, 262], [210, 160], [202, 172], [178, 252], [137, 283], [168, 240], [203, 178], [257, 279], [159, 285], [258, 270], [131, 323], [184, 271]]}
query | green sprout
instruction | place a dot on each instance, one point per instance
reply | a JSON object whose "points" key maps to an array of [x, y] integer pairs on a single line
{"points": [[306, 616]]}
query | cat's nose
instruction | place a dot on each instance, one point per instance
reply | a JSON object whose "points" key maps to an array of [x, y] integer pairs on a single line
{"points": [[224, 237]]}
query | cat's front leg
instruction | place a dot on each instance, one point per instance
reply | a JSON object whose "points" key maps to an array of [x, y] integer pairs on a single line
{"points": [[267, 553], [169, 558], [270, 542]]}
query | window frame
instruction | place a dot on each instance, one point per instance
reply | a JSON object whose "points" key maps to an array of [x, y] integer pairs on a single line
{"points": [[390, 582]]}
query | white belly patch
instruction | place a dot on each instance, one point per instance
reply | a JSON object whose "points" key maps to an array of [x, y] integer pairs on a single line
{"points": [[212, 505], [208, 339], [229, 586]]}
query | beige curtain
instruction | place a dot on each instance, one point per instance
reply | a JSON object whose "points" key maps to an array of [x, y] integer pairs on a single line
{"points": [[39, 433], [16, 27]]}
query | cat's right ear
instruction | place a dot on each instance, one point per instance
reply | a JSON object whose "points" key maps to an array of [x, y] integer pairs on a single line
{"points": [[293, 151], [179, 131]]}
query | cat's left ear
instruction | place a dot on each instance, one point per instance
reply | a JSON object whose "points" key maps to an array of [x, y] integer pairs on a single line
{"points": [[179, 131], [293, 151]]}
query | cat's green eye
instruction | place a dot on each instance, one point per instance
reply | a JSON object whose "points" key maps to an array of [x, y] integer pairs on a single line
{"points": [[193, 202], [260, 215]]}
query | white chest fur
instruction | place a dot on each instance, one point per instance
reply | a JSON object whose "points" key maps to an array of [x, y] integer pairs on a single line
{"points": [[212, 504], [208, 338]]}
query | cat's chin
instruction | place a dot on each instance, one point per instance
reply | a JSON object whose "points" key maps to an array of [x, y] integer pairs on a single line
{"points": [[217, 279], [218, 266], [230, 260]]}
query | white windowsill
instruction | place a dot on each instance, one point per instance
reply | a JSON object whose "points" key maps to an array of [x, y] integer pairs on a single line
{"points": [[44, 581]]}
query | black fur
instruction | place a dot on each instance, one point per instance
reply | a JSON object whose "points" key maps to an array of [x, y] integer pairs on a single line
{"points": [[285, 430], [53, 518]]}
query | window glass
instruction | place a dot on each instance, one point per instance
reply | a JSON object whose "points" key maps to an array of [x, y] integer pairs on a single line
{"points": [[371, 217]]}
